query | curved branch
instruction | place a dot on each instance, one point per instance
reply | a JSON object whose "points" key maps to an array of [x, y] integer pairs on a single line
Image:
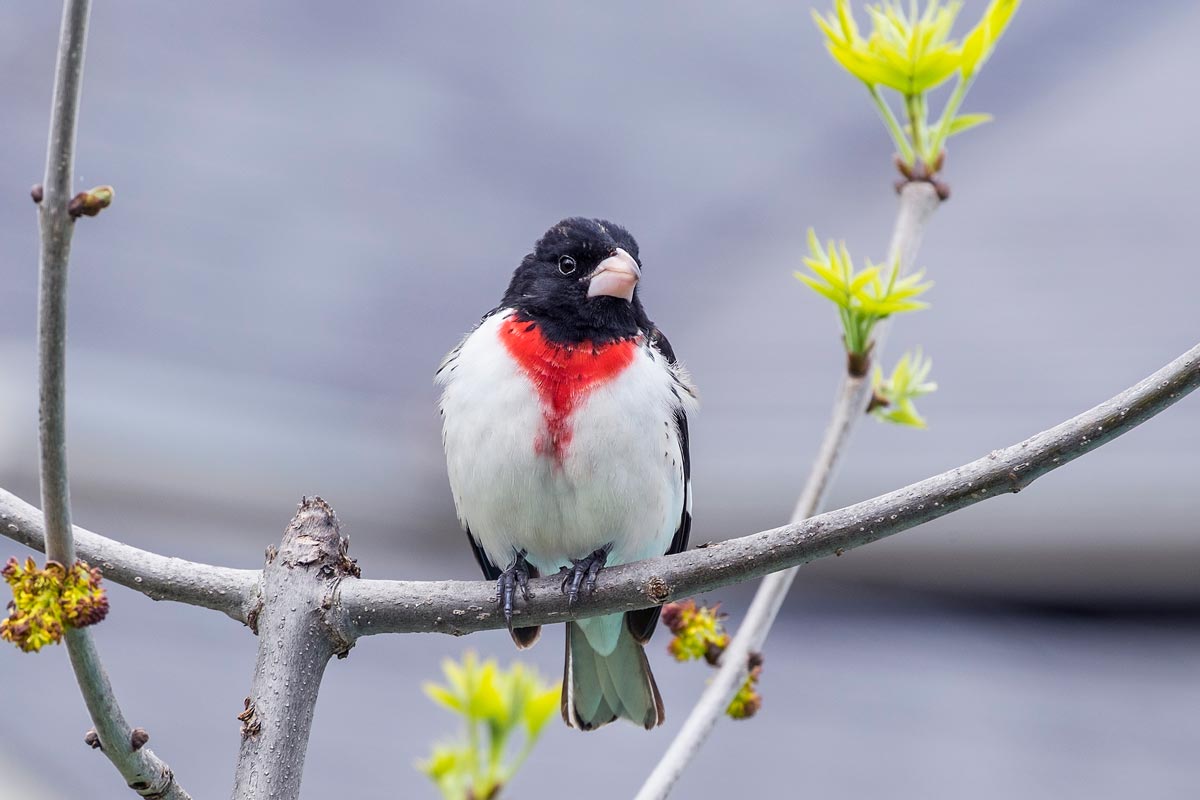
{"points": [[918, 201], [458, 607], [143, 771], [230, 591]]}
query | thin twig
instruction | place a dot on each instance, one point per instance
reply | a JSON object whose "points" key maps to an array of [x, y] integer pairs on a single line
{"points": [[918, 201], [230, 591], [144, 772], [460, 607]]}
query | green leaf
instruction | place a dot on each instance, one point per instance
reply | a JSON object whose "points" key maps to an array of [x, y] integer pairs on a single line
{"points": [[837, 297], [981, 41], [540, 708], [894, 396], [494, 703], [443, 697], [964, 122], [831, 276]]}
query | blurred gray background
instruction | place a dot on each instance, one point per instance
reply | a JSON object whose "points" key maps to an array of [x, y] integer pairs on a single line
{"points": [[315, 201]]}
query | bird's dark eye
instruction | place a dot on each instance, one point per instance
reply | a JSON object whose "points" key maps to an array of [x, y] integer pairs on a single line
{"points": [[566, 265]]}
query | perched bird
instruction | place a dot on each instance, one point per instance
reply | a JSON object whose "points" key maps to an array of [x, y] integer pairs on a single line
{"points": [[564, 419]]}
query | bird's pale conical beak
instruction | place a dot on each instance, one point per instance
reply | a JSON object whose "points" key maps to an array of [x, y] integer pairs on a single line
{"points": [[615, 276]]}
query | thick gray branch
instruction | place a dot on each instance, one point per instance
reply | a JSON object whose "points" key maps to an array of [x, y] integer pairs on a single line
{"points": [[294, 645], [144, 772], [918, 201], [459, 607], [230, 591]]}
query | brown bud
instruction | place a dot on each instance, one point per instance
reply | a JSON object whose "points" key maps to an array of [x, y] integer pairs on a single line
{"points": [[942, 189], [903, 167], [91, 202], [36, 192], [671, 614], [877, 401], [753, 706], [92, 740], [857, 364], [137, 738]]}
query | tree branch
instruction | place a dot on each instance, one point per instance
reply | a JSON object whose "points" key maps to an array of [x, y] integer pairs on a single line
{"points": [[918, 201], [145, 773], [230, 591], [459, 607], [294, 645]]}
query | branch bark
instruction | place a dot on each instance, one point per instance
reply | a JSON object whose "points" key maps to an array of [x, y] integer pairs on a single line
{"points": [[918, 201], [144, 772], [459, 607], [231, 591], [367, 607], [295, 643]]}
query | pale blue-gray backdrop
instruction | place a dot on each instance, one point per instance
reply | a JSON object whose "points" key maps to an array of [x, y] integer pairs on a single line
{"points": [[314, 201]]}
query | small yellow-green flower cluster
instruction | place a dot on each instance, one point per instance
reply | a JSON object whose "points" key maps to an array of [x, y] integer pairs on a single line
{"points": [[747, 702], [862, 297], [45, 601], [910, 51], [495, 704], [698, 631], [892, 398]]}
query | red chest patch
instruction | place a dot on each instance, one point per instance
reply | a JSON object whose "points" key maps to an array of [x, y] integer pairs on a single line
{"points": [[562, 375]]}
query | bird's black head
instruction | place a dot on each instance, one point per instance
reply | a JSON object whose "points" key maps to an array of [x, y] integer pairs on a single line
{"points": [[580, 283]]}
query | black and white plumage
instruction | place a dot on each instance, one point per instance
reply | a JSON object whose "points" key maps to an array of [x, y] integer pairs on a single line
{"points": [[565, 430]]}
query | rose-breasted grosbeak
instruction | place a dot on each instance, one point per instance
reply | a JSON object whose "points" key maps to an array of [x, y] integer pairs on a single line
{"points": [[564, 418]]}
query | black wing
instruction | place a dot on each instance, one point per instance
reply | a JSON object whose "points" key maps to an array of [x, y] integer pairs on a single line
{"points": [[490, 570], [642, 623]]}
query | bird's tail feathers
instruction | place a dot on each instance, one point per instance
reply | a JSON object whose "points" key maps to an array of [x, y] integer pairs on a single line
{"points": [[598, 689]]}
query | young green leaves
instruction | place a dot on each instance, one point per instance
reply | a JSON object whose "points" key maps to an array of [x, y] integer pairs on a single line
{"points": [[862, 297], [892, 398], [46, 601], [494, 705], [910, 51]]}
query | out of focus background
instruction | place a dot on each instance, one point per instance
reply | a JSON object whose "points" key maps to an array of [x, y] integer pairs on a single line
{"points": [[315, 201]]}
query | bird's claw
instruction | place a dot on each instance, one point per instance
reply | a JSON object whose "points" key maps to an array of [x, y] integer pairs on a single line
{"points": [[510, 580], [583, 574]]}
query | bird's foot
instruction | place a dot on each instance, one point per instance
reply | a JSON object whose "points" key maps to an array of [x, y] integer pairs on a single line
{"points": [[510, 580], [583, 573]]}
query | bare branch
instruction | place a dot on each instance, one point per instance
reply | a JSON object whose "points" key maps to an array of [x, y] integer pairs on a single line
{"points": [[57, 228], [918, 201], [145, 773], [294, 645], [230, 591], [460, 607]]}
